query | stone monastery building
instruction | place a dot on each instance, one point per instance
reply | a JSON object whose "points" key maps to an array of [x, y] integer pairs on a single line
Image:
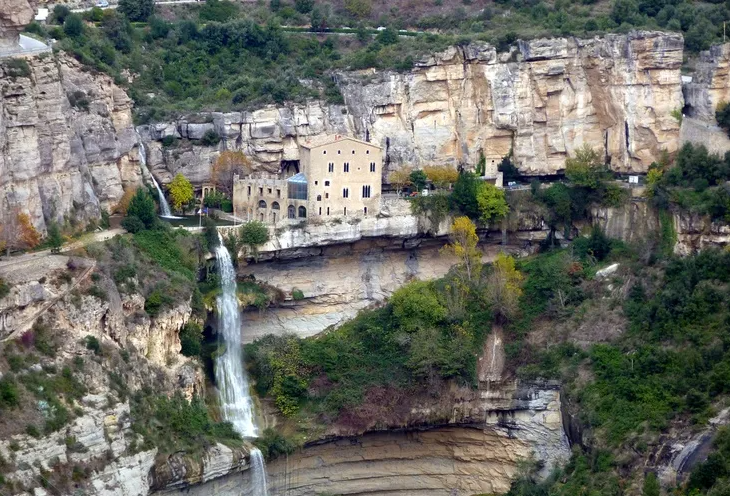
{"points": [[338, 176]]}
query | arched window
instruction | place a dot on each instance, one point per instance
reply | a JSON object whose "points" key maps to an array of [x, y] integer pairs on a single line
{"points": [[291, 212], [302, 212], [275, 206], [319, 197], [262, 204]]}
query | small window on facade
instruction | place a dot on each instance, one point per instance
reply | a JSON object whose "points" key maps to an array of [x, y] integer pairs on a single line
{"points": [[345, 193], [316, 183], [249, 191], [269, 190], [324, 152], [372, 166], [326, 195], [278, 193], [344, 210], [367, 152], [353, 152], [328, 210], [261, 191], [319, 197], [326, 183], [262, 204], [320, 210], [338, 152], [331, 167], [346, 167], [291, 212], [302, 212], [365, 210], [366, 191]]}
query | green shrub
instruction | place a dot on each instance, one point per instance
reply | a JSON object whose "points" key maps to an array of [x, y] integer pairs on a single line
{"points": [[32, 431], [17, 68], [210, 138], [92, 344], [191, 338], [9, 394], [157, 300], [297, 294], [4, 288]]}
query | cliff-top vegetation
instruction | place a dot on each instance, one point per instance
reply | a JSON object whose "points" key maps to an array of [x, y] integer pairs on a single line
{"points": [[219, 56]]}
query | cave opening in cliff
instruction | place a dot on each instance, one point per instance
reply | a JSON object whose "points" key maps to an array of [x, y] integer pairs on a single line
{"points": [[688, 110], [289, 167]]}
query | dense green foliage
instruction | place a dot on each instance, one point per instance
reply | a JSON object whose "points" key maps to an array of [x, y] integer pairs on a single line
{"points": [[696, 183], [426, 333], [141, 212], [176, 424], [4, 288], [191, 338], [254, 234]]}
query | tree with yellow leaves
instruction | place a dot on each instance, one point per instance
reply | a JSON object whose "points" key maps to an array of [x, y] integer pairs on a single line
{"points": [[400, 178], [441, 176], [463, 244], [228, 164], [504, 286], [181, 192]]}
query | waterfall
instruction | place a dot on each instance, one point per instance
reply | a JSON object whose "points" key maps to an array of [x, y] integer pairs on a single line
{"points": [[259, 484], [164, 206], [232, 382], [230, 373]]}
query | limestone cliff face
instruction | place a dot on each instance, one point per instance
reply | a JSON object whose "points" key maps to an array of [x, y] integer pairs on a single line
{"points": [[709, 84], [543, 101], [62, 160], [14, 16]]}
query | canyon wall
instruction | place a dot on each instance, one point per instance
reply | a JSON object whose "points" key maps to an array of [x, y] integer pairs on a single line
{"points": [[542, 100], [61, 161]]}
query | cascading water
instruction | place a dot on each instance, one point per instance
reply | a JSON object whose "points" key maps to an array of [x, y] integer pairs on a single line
{"points": [[164, 206], [230, 373]]}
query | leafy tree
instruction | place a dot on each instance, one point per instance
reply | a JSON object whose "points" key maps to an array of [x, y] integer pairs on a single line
{"points": [[358, 8], [304, 6], [418, 179], [464, 195], [29, 236], [651, 485], [624, 11], [136, 10], [508, 170], [226, 166], [481, 167], [254, 234], [505, 286], [399, 179], [141, 212], [218, 10], [389, 36], [73, 26], [60, 12], [275, 5], [417, 306], [181, 192], [586, 169], [191, 338], [722, 114], [441, 175], [492, 203], [463, 244], [55, 240]]}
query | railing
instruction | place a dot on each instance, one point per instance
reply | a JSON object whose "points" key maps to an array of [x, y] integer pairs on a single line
{"points": [[22, 51]]}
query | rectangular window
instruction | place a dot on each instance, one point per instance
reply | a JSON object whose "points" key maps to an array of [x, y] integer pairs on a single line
{"points": [[372, 166], [365, 210], [320, 210], [261, 191], [366, 191], [331, 167], [278, 193], [347, 167], [328, 210], [326, 183], [326, 195], [345, 211], [345, 193], [249, 191]]}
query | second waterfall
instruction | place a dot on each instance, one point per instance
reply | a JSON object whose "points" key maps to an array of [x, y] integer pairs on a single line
{"points": [[230, 372]]}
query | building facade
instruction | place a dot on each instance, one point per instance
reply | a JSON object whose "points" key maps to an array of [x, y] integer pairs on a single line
{"points": [[337, 177]]}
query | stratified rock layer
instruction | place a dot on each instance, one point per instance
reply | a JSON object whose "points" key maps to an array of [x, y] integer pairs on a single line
{"points": [[542, 101], [62, 161]]}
